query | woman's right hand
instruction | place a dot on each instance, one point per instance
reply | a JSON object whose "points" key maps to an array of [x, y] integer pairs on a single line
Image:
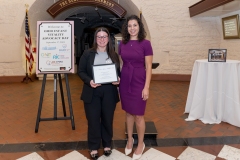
{"points": [[94, 85]]}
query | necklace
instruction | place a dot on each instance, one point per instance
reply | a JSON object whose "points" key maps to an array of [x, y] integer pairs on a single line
{"points": [[132, 42]]}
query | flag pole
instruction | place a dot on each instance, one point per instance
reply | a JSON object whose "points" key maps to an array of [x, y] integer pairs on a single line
{"points": [[26, 78]]}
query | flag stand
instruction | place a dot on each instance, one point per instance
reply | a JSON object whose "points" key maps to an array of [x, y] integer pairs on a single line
{"points": [[26, 78], [71, 117]]}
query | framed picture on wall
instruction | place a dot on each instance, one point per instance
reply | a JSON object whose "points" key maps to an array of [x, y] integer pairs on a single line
{"points": [[217, 55], [231, 27]]}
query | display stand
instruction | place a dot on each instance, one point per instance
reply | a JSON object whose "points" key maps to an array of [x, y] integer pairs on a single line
{"points": [[150, 132], [26, 78], [155, 65], [71, 117]]}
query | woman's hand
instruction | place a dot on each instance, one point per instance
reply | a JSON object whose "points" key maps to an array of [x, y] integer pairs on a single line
{"points": [[94, 85], [116, 83], [145, 94]]}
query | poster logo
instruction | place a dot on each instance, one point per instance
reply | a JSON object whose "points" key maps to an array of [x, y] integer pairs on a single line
{"points": [[54, 63], [64, 50], [46, 55], [60, 57], [64, 45], [49, 48], [48, 63]]}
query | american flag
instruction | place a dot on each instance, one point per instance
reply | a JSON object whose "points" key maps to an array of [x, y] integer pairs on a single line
{"points": [[28, 44]]}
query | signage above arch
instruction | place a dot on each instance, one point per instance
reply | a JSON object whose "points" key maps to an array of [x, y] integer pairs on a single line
{"points": [[63, 5]]}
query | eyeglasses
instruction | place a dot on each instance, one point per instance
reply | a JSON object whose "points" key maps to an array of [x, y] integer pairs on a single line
{"points": [[102, 37]]}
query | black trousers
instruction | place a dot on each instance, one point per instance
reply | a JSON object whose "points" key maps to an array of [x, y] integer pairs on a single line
{"points": [[100, 113]]}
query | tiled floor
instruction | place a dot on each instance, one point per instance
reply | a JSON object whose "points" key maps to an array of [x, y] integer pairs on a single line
{"points": [[176, 137]]}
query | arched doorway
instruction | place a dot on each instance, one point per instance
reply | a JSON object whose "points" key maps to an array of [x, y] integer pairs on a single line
{"points": [[86, 21], [86, 18]]}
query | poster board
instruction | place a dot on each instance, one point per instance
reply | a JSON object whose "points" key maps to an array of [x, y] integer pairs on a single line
{"points": [[55, 47]]}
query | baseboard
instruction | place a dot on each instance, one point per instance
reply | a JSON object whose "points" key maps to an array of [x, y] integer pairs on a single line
{"points": [[171, 77], [14, 79], [155, 77]]}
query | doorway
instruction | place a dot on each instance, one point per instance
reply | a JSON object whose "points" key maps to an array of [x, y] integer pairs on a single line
{"points": [[86, 21]]}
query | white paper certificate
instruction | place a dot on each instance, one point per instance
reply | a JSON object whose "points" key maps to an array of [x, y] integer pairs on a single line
{"points": [[105, 73]]}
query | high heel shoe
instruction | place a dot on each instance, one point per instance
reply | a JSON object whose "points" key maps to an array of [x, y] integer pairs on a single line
{"points": [[94, 156], [128, 151], [107, 152], [138, 156]]}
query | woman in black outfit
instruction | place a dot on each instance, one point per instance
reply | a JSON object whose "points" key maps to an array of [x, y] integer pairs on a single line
{"points": [[99, 99]]}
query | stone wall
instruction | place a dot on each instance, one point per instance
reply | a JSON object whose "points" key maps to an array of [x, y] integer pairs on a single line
{"points": [[232, 45], [177, 39]]}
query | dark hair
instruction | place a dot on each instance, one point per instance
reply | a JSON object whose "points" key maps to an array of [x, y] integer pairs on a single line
{"points": [[110, 50], [126, 36]]}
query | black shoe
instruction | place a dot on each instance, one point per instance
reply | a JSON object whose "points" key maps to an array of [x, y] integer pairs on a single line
{"points": [[107, 152], [94, 156]]}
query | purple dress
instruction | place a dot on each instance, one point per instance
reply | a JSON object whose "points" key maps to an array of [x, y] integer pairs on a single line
{"points": [[133, 75]]}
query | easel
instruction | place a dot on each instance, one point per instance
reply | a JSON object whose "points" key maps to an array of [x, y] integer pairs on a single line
{"points": [[71, 117]]}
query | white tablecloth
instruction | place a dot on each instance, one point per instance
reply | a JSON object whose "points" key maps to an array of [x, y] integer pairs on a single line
{"points": [[214, 92]]}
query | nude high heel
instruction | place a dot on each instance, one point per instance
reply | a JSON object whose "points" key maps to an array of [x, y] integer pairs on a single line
{"points": [[138, 156], [128, 151]]}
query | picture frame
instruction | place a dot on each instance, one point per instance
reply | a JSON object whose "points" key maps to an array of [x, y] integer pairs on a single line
{"points": [[104, 73], [230, 27], [217, 55]]}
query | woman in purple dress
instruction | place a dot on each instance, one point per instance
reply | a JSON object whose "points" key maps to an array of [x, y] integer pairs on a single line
{"points": [[136, 53]]}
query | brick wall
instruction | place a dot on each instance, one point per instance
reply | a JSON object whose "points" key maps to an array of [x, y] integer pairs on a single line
{"points": [[232, 45], [177, 39]]}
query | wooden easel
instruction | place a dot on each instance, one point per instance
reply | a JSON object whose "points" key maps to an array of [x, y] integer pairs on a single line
{"points": [[71, 117]]}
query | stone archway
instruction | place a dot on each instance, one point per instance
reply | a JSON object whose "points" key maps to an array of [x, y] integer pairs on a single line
{"points": [[38, 11], [63, 5]]}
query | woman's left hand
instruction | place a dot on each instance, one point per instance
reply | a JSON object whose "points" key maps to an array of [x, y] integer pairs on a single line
{"points": [[116, 83], [145, 94]]}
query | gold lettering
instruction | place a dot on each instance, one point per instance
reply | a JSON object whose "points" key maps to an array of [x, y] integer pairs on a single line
{"points": [[71, 1], [63, 3]]}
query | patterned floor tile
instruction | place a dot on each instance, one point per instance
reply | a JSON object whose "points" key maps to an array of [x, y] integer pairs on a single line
{"points": [[74, 155], [193, 154], [116, 155], [32, 156], [229, 153], [153, 154]]}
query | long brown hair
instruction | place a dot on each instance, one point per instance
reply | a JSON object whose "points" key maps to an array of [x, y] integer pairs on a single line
{"points": [[126, 36], [110, 50]]}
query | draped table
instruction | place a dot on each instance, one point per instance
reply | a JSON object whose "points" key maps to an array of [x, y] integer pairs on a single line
{"points": [[214, 92]]}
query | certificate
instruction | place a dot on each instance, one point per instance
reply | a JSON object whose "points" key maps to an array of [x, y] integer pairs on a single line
{"points": [[105, 73]]}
